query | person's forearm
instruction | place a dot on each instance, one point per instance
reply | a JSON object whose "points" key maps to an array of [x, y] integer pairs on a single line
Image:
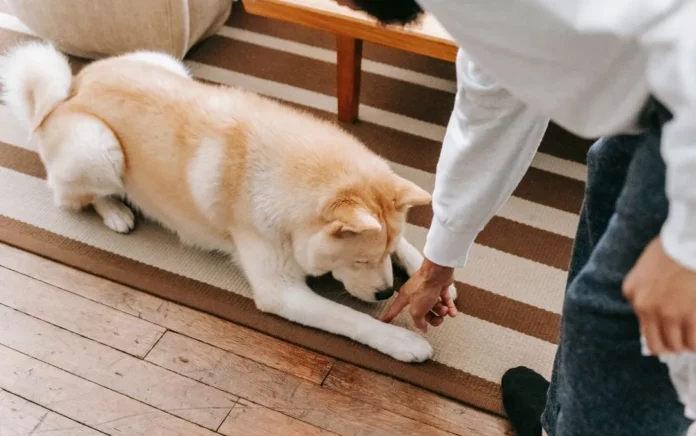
{"points": [[490, 142]]}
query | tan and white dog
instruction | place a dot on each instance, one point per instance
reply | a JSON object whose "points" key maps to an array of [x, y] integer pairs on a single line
{"points": [[286, 194]]}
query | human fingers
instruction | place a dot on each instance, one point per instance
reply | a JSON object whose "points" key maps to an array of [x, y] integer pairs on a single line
{"points": [[440, 309], [434, 320], [396, 307], [448, 301], [652, 333], [420, 318], [689, 334], [672, 336]]}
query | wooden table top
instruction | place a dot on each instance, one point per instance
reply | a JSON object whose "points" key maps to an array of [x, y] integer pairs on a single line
{"points": [[427, 37]]}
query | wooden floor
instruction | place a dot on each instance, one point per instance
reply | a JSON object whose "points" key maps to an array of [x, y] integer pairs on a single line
{"points": [[80, 355]]}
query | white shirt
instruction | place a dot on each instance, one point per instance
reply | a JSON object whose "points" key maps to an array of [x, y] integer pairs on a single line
{"points": [[590, 66]]}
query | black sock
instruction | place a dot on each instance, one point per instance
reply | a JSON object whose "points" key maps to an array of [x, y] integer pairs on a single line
{"points": [[524, 398]]}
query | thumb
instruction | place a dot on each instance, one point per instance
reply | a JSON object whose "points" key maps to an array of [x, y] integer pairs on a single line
{"points": [[396, 307]]}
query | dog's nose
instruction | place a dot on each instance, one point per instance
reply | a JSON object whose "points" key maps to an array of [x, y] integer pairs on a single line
{"points": [[384, 294]]}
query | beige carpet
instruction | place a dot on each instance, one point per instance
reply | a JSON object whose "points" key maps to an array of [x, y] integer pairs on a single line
{"points": [[510, 293]]}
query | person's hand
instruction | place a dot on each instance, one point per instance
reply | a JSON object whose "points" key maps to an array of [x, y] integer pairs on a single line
{"points": [[427, 293], [663, 294]]}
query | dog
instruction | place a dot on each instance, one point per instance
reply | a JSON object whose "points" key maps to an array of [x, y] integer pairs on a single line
{"points": [[286, 194]]}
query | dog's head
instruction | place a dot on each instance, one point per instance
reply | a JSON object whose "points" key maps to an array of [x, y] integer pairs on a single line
{"points": [[357, 231]]}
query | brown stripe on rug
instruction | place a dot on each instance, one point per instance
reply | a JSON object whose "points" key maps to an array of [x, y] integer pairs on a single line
{"points": [[487, 305], [21, 160], [510, 313], [378, 91], [558, 142], [506, 235], [551, 190]]}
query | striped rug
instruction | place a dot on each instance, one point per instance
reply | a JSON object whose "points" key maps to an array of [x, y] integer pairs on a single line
{"points": [[510, 293]]}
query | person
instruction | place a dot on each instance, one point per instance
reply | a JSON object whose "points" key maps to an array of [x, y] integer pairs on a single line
{"points": [[622, 70]]}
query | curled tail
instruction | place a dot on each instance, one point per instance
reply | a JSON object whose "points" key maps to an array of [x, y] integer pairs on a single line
{"points": [[35, 78]]}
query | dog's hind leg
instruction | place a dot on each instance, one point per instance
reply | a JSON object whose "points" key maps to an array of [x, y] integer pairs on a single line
{"points": [[116, 215], [88, 169]]}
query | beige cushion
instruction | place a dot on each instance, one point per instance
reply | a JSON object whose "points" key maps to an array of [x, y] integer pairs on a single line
{"points": [[98, 28]]}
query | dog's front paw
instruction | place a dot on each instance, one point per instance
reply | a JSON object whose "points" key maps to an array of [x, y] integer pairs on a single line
{"points": [[402, 344], [116, 215]]}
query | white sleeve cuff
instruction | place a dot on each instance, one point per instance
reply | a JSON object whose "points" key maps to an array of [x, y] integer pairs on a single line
{"points": [[447, 248]]}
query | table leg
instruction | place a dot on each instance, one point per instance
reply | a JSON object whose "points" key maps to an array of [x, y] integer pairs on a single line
{"points": [[349, 51]]}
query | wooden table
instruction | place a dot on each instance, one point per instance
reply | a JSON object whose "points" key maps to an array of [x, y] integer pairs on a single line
{"points": [[351, 29]]}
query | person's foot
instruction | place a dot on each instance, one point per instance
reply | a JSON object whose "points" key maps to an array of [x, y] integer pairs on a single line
{"points": [[524, 398]]}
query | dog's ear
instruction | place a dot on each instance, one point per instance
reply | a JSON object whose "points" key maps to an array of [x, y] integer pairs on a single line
{"points": [[350, 219], [409, 195]]}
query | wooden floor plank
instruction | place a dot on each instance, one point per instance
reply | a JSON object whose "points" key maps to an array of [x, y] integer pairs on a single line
{"points": [[239, 340], [251, 419], [19, 417], [77, 314], [411, 401], [86, 402], [121, 372], [282, 392]]}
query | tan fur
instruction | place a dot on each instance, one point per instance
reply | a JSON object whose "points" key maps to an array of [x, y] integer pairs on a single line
{"points": [[288, 194], [161, 130], [157, 144]]}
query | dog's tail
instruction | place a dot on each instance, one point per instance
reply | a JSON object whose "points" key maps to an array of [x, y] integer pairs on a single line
{"points": [[35, 78]]}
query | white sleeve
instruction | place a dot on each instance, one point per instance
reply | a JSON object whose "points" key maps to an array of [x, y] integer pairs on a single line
{"points": [[671, 47], [665, 32], [490, 142]]}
